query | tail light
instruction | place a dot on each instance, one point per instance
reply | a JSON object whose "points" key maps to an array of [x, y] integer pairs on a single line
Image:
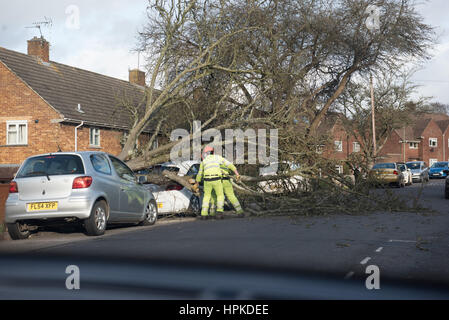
{"points": [[395, 172], [174, 188], [82, 183], [13, 187]]}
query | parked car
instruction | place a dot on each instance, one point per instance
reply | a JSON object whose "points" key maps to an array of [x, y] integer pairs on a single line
{"points": [[388, 173], [280, 185], [407, 173], [420, 171], [438, 170], [446, 185], [174, 198], [93, 188]]}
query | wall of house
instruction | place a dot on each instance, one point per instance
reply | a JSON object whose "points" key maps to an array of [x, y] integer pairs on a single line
{"points": [[338, 133], [109, 139], [19, 102], [392, 151], [445, 145], [427, 152]]}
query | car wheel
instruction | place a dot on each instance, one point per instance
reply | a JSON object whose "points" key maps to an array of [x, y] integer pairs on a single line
{"points": [[150, 214], [195, 206], [96, 224], [18, 231]]}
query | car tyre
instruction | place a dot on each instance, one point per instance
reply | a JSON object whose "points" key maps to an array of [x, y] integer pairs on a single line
{"points": [[195, 206], [17, 231], [95, 225], [446, 191], [150, 214]]}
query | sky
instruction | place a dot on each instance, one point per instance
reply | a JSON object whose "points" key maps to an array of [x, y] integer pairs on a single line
{"points": [[100, 36]]}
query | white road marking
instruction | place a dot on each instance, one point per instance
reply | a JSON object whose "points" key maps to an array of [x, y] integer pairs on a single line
{"points": [[349, 275], [380, 249], [365, 261], [403, 241]]}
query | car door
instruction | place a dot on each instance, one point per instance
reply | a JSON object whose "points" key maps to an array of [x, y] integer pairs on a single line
{"points": [[109, 183], [132, 196]]}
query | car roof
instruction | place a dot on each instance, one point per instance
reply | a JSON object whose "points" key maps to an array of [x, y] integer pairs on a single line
{"points": [[79, 153]]}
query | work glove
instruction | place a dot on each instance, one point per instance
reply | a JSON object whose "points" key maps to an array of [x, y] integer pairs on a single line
{"points": [[196, 187], [238, 178]]}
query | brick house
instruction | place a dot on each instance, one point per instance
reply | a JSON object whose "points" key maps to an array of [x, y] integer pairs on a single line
{"points": [[342, 143], [46, 106], [425, 140]]}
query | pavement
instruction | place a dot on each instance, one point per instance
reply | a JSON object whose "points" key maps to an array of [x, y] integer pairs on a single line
{"points": [[405, 246]]}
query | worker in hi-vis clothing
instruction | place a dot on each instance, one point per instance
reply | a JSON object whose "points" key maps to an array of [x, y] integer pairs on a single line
{"points": [[210, 171], [228, 190]]}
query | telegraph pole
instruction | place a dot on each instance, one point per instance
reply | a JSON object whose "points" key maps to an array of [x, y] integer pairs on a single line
{"points": [[373, 117]]}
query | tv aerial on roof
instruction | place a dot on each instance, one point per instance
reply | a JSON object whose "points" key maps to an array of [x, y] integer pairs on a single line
{"points": [[38, 25]]}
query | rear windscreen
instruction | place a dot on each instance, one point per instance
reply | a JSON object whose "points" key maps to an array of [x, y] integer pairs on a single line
{"points": [[53, 165], [384, 166]]}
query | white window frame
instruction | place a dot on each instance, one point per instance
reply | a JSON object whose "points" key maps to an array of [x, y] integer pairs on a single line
{"points": [[338, 146], [414, 145], [339, 168], [433, 140], [17, 123], [92, 133], [354, 149], [155, 144]]}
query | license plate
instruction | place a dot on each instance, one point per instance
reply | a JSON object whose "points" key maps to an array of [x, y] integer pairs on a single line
{"points": [[160, 205], [42, 206]]}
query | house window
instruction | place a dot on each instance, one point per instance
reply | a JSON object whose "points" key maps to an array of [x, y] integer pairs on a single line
{"points": [[339, 169], [338, 146], [155, 144], [433, 142], [413, 145], [94, 137], [356, 147], [17, 133]]}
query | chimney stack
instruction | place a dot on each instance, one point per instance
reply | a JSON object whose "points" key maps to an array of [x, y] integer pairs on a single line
{"points": [[137, 77], [39, 47]]}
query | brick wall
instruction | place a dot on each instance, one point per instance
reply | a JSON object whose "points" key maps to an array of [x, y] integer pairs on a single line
{"points": [[4, 191], [427, 152], [392, 150], [19, 102]]}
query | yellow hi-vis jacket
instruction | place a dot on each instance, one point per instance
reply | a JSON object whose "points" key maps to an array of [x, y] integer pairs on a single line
{"points": [[211, 167]]}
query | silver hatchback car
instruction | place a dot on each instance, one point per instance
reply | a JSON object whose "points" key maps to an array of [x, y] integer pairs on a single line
{"points": [[94, 188]]}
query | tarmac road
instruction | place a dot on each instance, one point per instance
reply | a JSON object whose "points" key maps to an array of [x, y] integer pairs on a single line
{"points": [[403, 245]]}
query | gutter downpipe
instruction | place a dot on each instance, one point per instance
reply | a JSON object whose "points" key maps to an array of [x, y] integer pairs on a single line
{"points": [[444, 148], [76, 135]]}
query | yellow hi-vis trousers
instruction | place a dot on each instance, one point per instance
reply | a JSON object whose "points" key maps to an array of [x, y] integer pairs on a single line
{"points": [[215, 187], [229, 193]]}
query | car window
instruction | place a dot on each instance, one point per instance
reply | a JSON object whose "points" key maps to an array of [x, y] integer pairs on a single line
{"points": [[122, 170], [100, 164], [193, 171], [384, 166], [439, 165], [52, 165], [413, 166]]}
